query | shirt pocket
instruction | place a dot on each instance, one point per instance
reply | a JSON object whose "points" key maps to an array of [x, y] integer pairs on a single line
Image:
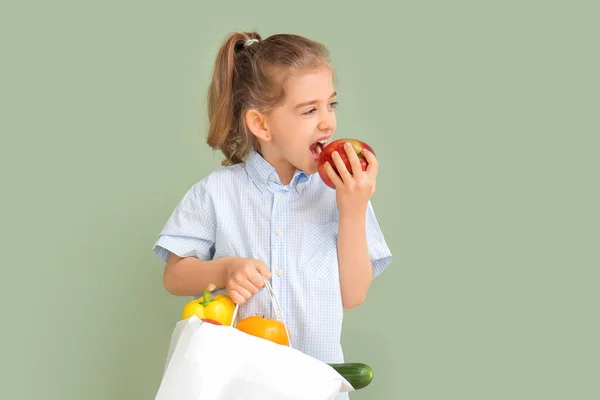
{"points": [[319, 250]]}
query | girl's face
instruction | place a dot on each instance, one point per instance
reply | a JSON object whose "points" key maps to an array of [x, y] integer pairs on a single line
{"points": [[304, 123]]}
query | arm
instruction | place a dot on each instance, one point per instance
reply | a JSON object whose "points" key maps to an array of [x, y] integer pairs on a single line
{"points": [[190, 231], [356, 271], [188, 276], [353, 192]]}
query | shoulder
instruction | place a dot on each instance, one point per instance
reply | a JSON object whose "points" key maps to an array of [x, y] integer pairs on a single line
{"points": [[220, 180], [212, 192]]}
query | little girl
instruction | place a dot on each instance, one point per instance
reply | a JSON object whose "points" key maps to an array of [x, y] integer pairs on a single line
{"points": [[266, 212]]}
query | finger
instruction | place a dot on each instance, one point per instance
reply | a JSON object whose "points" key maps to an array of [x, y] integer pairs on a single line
{"points": [[257, 277], [243, 277], [236, 297], [248, 285], [341, 167], [335, 178], [264, 271], [373, 165], [245, 293], [353, 158], [240, 282], [257, 281]]}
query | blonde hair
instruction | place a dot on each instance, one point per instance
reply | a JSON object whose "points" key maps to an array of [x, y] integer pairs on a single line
{"points": [[250, 74]]}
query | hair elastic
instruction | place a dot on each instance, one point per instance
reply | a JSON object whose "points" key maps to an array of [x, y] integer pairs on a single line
{"points": [[249, 42]]}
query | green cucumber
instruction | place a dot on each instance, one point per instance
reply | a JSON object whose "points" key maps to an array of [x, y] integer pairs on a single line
{"points": [[359, 375]]}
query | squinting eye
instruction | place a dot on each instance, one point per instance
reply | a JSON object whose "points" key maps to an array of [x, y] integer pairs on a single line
{"points": [[333, 104], [310, 111]]}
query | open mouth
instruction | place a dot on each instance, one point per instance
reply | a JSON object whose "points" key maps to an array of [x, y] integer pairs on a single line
{"points": [[317, 147]]}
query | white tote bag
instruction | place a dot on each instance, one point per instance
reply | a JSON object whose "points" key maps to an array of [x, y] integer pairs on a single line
{"points": [[217, 362]]}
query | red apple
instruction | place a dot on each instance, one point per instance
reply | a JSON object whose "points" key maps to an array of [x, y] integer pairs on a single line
{"points": [[338, 145]]}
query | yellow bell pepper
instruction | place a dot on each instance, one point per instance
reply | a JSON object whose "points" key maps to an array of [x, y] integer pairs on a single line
{"points": [[219, 309]]}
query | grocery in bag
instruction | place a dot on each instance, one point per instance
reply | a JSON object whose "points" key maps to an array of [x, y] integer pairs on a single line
{"points": [[208, 361]]}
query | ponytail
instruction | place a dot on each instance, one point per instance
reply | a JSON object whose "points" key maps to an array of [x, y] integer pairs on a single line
{"points": [[222, 133]]}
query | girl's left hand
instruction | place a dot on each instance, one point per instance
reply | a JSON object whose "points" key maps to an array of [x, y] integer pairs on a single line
{"points": [[353, 190]]}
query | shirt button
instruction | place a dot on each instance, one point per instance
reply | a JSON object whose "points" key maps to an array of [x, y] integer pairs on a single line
{"points": [[280, 197], [272, 178], [279, 272], [279, 232], [262, 185], [300, 186]]}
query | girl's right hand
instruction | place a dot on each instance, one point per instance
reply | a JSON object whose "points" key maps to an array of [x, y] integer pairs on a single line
{"points": [[244, 277]]}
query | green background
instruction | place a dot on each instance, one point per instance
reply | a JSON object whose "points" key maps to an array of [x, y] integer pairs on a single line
{"points": [[484, 116]]}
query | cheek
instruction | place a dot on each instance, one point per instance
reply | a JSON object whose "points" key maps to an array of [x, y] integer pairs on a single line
{"points": [[277, 122], [287, 126], [298, 130]]}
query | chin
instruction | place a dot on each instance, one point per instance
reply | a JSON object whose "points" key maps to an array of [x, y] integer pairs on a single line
{"points": [[311, 168]]}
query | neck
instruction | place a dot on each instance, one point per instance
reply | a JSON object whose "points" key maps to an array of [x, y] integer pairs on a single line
{"points": [[285, 170]]}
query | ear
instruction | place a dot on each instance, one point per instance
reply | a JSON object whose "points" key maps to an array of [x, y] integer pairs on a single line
{"points": [[257, 123]]}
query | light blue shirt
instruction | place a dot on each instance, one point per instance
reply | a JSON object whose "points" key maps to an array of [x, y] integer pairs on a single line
{"points": [[244, 211]]}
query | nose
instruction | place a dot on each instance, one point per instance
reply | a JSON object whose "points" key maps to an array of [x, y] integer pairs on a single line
{"points": [[327, 122]]}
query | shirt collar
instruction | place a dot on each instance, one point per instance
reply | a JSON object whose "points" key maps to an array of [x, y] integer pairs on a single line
{"points": [[263, 173]]}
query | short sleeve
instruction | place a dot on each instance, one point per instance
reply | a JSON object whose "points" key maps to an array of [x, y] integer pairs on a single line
{"points": [[379, 252], [190, 230]]}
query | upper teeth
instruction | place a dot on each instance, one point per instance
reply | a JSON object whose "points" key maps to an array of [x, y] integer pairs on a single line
{"points": [[322, 141]]}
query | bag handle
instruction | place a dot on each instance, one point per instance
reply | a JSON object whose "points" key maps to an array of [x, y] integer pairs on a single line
{"points": [[274, 303]]}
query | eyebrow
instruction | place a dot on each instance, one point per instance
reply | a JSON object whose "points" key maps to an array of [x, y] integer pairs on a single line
{"points": [[307, 103]]}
